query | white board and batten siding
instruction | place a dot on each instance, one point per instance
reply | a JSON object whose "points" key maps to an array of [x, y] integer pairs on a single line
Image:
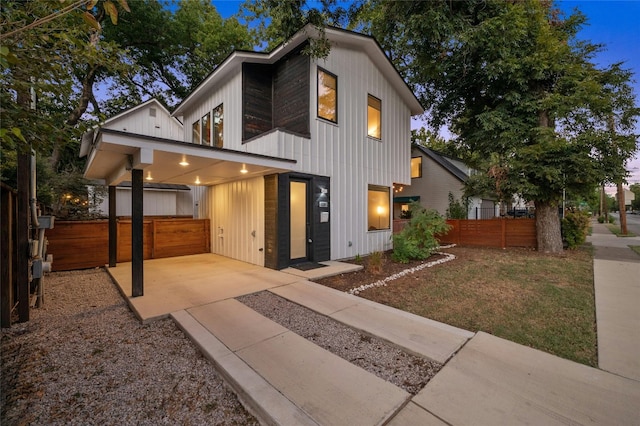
{"points": [[149, 118], [237, 219], [229, 94], [352, 159]]}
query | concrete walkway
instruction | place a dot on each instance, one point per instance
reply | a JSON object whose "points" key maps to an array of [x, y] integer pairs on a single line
{"points": [[616, 270], [286, 380]]}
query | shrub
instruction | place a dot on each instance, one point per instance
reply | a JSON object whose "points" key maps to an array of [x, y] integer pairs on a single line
{"points": [[575, 227], [417, 240], [375, 262], [612, 219], [458, 209], [600, 219]]}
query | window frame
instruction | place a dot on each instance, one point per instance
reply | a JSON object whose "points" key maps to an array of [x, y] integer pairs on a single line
{"points": [[205, 126], [387, 207], [335, 77], [217, 141], [370, 97], [195, 139], [419, 168]]}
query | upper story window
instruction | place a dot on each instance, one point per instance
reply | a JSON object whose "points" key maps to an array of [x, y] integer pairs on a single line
{"points": [[374, 117], [416, 167], [218, 133], [195, 132], [206, 129], [327, 96]]}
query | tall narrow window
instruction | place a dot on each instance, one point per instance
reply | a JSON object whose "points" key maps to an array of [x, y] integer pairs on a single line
{"points": [[218, 133], [416, 167], [195, 132], [327, 96], [374, 117], [206, 129], [378, 208]]}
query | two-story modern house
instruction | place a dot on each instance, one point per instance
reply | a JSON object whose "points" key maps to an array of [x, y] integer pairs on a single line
{"points": [[294, 158]]}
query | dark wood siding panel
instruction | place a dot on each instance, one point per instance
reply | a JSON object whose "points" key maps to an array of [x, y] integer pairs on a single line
{"points": [[257, 100], [271, 221], [291, 94]]}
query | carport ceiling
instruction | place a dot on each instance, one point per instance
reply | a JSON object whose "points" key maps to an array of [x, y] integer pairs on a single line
{"points": [[114, 154]]}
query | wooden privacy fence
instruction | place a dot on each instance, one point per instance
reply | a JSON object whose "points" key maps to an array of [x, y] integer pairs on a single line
{"points": [[501, 233], [85, 244]]}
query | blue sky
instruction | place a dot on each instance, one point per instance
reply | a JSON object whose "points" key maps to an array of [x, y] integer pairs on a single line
{"points": [[613, 23]]}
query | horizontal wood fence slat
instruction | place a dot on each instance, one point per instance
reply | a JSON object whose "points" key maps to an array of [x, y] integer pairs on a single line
{"points": [[85, 244], [501, 233]]}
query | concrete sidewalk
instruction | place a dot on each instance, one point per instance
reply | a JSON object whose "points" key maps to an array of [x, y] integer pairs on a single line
{"points": [[616, 270]]}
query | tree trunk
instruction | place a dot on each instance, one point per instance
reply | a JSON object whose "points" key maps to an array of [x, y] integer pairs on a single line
{"points": [[621, 209], [548, 233]]}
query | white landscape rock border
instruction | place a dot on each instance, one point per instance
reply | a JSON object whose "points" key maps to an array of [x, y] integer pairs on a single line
{"points": [[383, 283]]}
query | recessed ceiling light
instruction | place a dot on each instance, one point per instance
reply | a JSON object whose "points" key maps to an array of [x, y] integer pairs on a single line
{"points": [[184, 161], [244, 169], [197, 182], [149, 176]]}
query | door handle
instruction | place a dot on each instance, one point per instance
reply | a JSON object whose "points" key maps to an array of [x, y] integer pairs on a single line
{"points": [[309, 240]]}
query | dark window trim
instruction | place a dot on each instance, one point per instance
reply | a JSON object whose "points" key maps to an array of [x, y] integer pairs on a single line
{"points": [[369, 95], [320, 69]]}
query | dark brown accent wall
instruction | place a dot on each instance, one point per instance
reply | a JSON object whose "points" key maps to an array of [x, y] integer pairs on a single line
{"points": [[276, 96], [291, 94], [271, 221], [256, 100]]}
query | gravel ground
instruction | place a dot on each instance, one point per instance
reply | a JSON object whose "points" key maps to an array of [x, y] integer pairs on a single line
{"points": [[378, 357], [84, 359]]}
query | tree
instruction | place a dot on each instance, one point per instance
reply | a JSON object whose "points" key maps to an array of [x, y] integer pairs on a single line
{"points": [[50, 57], [169, 64], [67, 58], [635, 203], [517, 88]]}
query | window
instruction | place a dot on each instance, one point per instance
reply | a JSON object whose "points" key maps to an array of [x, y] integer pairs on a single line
{"points": [[206, 129], [195, 132], [416, 167], [327, 96], [218, 133], [374, 117], [378, 208]]}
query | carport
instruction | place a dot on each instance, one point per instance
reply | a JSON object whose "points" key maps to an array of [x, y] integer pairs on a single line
{"points": [[114, 156]]}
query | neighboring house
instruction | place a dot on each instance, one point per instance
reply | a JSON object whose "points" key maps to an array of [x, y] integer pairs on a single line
{"points": [[159, 200], [294, 158], [433, 177]]}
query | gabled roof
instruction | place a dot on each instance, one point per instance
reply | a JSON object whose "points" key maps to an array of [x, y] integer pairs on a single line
{"points": [[444, 162], [153, 102], [111, 122], [335, 35]]}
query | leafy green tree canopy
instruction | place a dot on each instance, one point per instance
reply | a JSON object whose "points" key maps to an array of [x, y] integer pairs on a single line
{"points": [[516, 87]]}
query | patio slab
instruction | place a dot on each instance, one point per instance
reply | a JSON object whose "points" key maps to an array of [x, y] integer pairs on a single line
{"points": [[493, 381], [332, 268], [210, 278]]}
